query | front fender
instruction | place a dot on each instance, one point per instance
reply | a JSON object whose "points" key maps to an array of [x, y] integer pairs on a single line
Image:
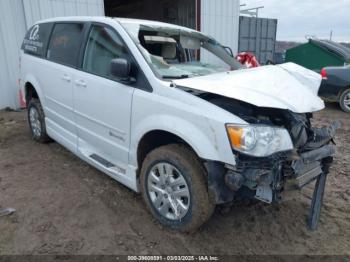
{"points": [[203, 141]]}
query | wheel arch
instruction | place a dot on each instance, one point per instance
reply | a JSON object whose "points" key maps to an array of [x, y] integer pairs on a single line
{"points": [[30, 92], [157, 138], [152, 139], [202, 137], [32, 89], [342, 90]]}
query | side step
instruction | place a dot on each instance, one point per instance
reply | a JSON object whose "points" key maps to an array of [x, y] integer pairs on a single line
{"points": [[102, 161], [107, 164]]}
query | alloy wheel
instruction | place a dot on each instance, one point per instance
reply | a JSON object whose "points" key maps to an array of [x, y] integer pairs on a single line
{"points": [[346, 101], [168, 190]]}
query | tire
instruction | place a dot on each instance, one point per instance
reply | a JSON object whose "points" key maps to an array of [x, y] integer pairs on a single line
{"points": [[36, 120], [187, 166], [344, 101]]}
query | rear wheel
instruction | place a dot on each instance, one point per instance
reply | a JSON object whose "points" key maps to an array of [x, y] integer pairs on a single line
{"points": [[174, 189], [344, 100], [36, 119]]}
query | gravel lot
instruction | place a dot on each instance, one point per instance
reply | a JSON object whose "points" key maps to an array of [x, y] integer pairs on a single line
{"points": [[64, 206]]}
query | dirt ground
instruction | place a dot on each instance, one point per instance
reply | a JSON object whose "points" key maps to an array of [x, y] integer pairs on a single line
{"points": [[64, 206]]}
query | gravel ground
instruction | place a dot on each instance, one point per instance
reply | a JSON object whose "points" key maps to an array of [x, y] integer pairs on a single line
{"points": [[64, 206]]}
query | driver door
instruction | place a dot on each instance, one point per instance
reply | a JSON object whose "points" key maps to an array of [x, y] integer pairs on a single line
{"points": [[102, 103]]}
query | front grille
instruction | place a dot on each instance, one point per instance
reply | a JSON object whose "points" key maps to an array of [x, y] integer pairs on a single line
{"points": [[245, 162]]}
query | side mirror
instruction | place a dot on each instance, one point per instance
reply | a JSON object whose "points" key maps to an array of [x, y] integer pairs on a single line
{"points": [[120, 68]]}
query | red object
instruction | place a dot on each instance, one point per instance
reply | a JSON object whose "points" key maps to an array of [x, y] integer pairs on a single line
{"points": [[22, 102], [247, 59], [324, 73]]}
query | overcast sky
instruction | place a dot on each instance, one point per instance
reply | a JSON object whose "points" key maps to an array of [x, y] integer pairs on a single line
{"points": [[297, 18]]}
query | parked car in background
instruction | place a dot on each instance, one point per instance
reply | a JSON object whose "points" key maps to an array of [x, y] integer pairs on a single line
{"points": [[132, 98], [335, 86]]}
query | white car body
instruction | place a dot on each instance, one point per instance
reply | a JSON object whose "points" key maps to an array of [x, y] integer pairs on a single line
{"points": [[72, 121], [112, 122]]}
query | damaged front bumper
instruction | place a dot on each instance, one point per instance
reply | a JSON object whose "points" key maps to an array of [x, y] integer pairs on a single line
{"points": [[266, 178], [309, 165]]}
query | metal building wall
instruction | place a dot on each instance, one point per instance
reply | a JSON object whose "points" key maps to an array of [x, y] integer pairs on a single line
{"points": [[220, 19], [258, 36], [186, 14], [12, 30], [41, 9], [16, 16]]}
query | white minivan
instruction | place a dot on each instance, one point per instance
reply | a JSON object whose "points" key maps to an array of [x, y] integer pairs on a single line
{"points": [[168, 112]]}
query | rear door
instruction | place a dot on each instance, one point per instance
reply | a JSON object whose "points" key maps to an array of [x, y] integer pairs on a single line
{"points": [[56, 74], [103, 102]]}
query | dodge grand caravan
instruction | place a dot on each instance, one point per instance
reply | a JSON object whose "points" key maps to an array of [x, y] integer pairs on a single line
{"points": [[168, 112]]}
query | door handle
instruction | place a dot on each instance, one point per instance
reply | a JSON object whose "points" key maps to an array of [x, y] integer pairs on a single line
{"points": [[66, 78], [80, 83]]}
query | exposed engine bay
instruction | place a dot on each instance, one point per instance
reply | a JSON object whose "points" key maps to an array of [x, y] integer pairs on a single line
{"points": [[265, 178], [304, 164]]}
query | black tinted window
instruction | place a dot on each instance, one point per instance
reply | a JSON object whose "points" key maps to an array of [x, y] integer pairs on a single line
{"points": [[36, 39], [65, 43], [103, 45]]}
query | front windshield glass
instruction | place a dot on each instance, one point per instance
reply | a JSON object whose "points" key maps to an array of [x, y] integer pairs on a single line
{"points": [[174, 52]]}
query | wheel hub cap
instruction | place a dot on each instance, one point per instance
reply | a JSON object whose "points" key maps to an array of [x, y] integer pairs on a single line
{"points": [[347, 101], [168, 191]]}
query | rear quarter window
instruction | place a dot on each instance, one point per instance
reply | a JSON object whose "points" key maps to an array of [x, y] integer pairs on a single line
{"points": [[65, 43], [36, 39]]}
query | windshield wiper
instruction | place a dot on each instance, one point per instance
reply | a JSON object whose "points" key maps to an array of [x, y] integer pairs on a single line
{"points": [[175, 77]]}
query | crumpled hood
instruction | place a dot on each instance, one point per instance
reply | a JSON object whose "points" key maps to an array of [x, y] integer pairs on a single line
{"points": [[285, 86]]}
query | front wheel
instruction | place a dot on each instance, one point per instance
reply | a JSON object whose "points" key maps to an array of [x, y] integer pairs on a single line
{"points": [[344, 101], [174, 188]]}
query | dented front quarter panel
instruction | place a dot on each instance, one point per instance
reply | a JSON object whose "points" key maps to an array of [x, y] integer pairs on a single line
{"points": [[287, 86], [198, 122]]}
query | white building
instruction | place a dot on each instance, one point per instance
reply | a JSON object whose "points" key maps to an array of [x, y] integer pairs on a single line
{"points": [[218, 18]]}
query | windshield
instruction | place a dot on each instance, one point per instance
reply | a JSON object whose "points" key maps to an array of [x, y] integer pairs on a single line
{"points": [[176, 52]]}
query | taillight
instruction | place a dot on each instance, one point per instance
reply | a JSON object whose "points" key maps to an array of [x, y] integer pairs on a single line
{"points": [[324, 73]]}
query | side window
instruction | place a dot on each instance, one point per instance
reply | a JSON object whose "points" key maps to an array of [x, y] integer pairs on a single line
{"points": [[103, 45], [36, 40], [65, 43]]}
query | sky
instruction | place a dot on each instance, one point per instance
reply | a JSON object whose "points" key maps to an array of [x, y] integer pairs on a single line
{"points": [[298, 18]]}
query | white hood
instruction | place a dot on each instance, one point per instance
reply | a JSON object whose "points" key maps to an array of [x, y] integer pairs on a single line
{"points": [[286, 86]]}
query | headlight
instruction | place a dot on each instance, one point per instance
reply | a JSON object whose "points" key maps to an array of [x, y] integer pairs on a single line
{"points": [[258, 140]]}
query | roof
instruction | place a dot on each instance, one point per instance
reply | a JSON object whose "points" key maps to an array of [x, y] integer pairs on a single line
{"points": [[333, 47], [151, 23], [76, 18], [120, 20]]}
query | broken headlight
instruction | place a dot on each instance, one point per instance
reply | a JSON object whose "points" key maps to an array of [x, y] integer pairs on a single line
{"points": [[258, 140]]}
